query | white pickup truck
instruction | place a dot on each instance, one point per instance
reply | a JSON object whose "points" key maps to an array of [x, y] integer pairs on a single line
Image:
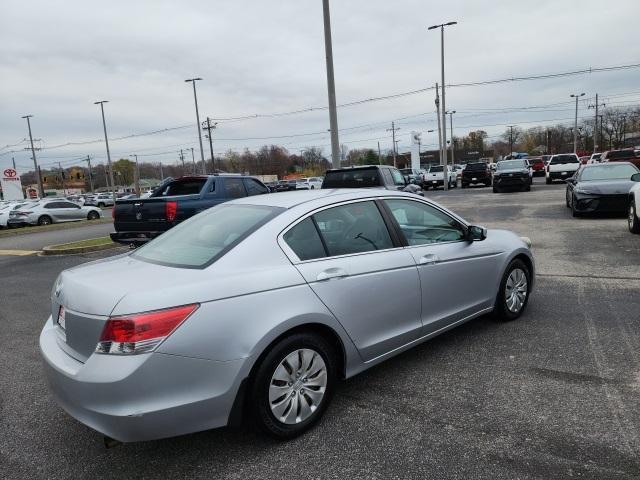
{"points": [[561, 167], [434, 178]]}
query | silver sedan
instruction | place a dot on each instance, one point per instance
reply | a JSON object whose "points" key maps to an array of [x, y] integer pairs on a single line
{"points": [[50, 211], [256, 308]]}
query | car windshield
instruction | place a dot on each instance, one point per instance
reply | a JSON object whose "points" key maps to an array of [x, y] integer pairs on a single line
{"points": [[202, 239], [191, 186], [608, 172], [356, 178], [510, 164], [564, 159], [439, 168]]}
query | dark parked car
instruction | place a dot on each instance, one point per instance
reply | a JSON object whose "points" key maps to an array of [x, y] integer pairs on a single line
{"points": [[512, 174], [369, 176], [139, 220], [476, 173], [600, 187]]}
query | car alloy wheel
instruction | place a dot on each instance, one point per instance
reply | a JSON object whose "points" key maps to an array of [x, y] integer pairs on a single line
{"points": [[513, 294], [298, 386], [93, 216], [634, 221], [293, 384], [516, 290], [44, 220]]}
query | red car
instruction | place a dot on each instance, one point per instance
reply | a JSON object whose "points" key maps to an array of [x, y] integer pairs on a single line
{"points": [[537, 165], [622, 155]]}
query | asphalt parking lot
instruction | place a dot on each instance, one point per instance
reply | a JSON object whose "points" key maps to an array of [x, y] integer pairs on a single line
{"points": [[552, 395]]}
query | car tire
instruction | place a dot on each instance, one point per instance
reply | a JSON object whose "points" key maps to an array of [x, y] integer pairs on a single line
{"points": [[101, 205], [312, 187], [548, 181], [566, 198], [462, 185], [527, 188], [44, 220], [93, 215], [495, 190], [634, 221], [511, 304], [264, 407]]}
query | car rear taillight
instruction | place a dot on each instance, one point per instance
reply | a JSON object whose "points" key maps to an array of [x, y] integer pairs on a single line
{"points": [[141, 332], [113, 212], [23, 213], [170, 210]]}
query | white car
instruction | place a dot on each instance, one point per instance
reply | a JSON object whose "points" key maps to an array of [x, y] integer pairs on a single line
{"points": [[55, 210], [435, 177], [634, 205], [100, 200], [561, 167], [595, 158], [458, 169], [7, 207], [310, 183]]}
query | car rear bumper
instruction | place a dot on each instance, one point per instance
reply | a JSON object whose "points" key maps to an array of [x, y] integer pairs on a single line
{"points": [[474, 180], [140, 397], [133, 238], [560, 175]]}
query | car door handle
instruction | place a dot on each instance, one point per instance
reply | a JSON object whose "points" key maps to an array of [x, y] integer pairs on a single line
{"points": [[330, 273], [428, 259]]}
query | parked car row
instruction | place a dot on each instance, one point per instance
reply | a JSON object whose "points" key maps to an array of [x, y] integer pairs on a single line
{"points": [[44, 212]]}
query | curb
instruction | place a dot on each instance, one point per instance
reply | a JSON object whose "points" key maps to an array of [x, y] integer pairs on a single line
{"points": [[51, 250]]}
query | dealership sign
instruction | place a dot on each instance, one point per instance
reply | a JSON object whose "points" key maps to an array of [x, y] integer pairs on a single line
{"points": [[11, 185]]}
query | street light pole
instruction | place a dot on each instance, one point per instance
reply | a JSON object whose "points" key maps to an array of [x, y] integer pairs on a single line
{"points": [[90, 174], [33, 153], [136, 176], [444, 107], [106, 142], [331, 86], [453, 148], [575, 123], [510, 127], [193, 159], [195, 99]]}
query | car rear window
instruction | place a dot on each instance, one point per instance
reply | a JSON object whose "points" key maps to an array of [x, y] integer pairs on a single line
{"points": [[476, 166], [510, 164], [558, 159], [199, 241], [357, 178], [436, 169], [191, 186]]}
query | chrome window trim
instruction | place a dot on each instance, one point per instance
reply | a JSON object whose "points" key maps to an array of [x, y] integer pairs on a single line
{"points": [[293, 258]]}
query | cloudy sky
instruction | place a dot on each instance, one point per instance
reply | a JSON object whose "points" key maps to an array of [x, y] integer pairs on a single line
{"points": [[264, 57]]}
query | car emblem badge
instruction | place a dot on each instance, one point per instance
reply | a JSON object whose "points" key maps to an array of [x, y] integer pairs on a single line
{"points": [[138, 216]]}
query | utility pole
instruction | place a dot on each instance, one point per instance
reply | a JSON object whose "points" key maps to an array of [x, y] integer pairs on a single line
{"points": [[136, 176], [393, 135], [182, 159], [210, 127], [161, 174], [443, 160], [13, 160], [33, 153], [193, 159], [595, 125], [453, 147], [331, 86], [395, 143], [548, 152], [90, 174], [379, 155], [510, 127], [106, 142], [195, 99], [575, 123], [444, 107]]}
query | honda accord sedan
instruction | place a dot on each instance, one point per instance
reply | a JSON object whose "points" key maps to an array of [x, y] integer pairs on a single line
{"points": [[254, 309], [600, 187]]}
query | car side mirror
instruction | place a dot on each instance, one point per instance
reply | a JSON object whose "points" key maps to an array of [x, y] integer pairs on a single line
{"points": [[635, 177], [476, 233]]}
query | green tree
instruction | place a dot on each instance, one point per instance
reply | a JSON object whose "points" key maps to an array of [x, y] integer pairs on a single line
{"points": [[123, 171]]}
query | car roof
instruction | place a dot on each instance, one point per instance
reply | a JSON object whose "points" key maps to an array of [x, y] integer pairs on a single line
{"points": [[607, 164], [293, 199]]}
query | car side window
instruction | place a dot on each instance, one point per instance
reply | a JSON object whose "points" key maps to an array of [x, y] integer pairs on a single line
{"points": [[254, 187], [53, 205], [353, 228], [423, 224], [305, 241], [69, 205], [212, 188], [386, 175], [234, 188]]}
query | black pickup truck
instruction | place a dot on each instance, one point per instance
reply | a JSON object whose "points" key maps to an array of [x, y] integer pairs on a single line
{"points": [[138, 220]]}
